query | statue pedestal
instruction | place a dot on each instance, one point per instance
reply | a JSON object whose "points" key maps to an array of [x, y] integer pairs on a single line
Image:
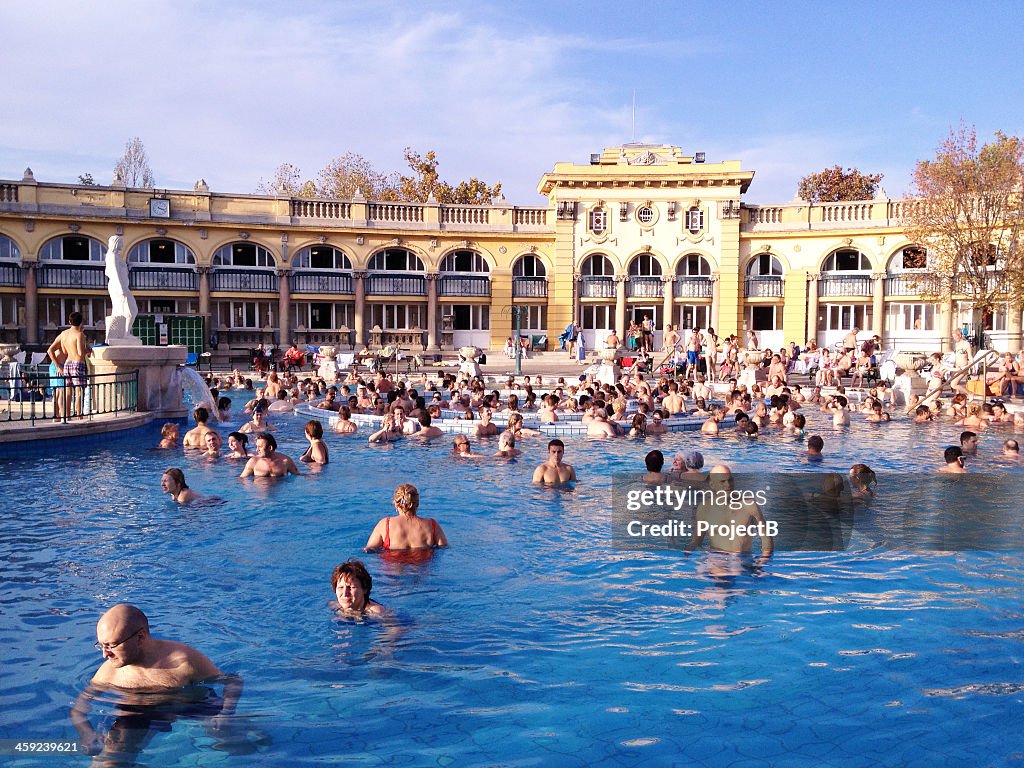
{"points": [[468, 361], [609, 371], [159, 392]]}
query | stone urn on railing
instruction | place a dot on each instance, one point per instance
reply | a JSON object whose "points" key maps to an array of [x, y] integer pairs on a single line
{"points": [[328, 363], [468, 360], [609, 370]]}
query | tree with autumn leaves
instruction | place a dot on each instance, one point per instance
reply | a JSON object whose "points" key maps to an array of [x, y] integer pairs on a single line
{"points": [[966, 207], [351, 174], [834, 185]]}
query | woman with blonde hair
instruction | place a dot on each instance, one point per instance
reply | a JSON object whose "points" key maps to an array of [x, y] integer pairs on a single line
{"points": [[406, 530]]}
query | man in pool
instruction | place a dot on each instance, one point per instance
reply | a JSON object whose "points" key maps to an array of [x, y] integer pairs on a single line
{"points": [[173, 482], [196, 437], [135, 661], [728, 529], [969, 443], [268, 462], [554, 471], [954, 458], [654, 461]]}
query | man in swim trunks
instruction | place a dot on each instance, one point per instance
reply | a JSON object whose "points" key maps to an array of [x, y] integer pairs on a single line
{"points": [[135, 661], [268, 462], [196, 437], [722, 515], [554, 471], [72, 348]]}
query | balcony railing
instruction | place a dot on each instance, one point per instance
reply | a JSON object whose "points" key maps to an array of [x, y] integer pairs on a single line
{"points": [[243, 282], [530, 217], [315, 282], [529, 287], [63, 276], [692, 288], [914, 284], [644, 287], [994, 282], [767, 286], [597, 287], [321, 209], [397, 285], [464, 285], [162, 279], [465, 215], [12, 275], [395, 212], [845, 285], [30, 395]]}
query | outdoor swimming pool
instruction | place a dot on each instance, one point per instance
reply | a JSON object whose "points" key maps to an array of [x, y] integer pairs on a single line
{"points": [[531, 640]]}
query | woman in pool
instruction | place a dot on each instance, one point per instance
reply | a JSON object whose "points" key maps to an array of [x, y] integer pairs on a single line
{"points": [[351, 584], [862, 482], [389, 431], [462, 448], [238, 442], [173, 482], [344, 425], [168, 435], [406, 530], [317, 451], [638, 428]]}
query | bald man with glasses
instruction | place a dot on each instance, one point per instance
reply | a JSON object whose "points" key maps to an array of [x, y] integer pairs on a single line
{"points": [[137, 662]]}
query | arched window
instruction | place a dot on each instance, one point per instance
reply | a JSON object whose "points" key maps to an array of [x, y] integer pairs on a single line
{"points": [[322, 257], [597, 265], [847, 260], [9, 250], [465, 261], [912, 257], [529, 265], [764, 265], [73, 248], [693, 265], [244, 255], [396, 260], [160, 252], [644, 265]]}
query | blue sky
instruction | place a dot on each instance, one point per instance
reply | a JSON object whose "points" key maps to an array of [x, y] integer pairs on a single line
{"points": [[228, 90]]}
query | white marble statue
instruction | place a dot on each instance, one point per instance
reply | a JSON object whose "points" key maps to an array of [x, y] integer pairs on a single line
{"points": [[124, 308]]}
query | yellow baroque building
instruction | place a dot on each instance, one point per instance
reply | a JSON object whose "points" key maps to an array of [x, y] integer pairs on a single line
{"points": [[640, 230]]}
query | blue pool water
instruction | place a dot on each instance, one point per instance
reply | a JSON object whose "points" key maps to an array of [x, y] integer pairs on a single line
{"points": [[531, 641]]}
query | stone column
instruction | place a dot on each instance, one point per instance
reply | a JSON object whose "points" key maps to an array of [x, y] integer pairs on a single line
{"points": [[359, 321], [716, 299], [878, 304], [668, 300], [620, 306], [31, 303], [209, 324], [432, 278], [1013, 325], [284, 307], [812, 307], [946, 324]]}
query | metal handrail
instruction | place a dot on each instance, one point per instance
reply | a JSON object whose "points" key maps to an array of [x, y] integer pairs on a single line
{"points": [[32, 394]]}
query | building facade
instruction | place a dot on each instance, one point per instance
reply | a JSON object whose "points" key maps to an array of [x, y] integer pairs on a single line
{"points": [[640, 230]]}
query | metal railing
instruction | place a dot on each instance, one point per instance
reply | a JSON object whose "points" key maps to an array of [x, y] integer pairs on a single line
{"points": [[162, 279], [61, 276], [845, 285], [912, 284], [29, 393], [12, 275], [396, 285], [693, 288], [529, 287], [598, 287], [762, 287], [258, 282], [644, 287], [464, 285], [315, 282]]}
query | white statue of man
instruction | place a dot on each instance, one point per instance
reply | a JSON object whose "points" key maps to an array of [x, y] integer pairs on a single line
{"points": [[123, 305]]}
